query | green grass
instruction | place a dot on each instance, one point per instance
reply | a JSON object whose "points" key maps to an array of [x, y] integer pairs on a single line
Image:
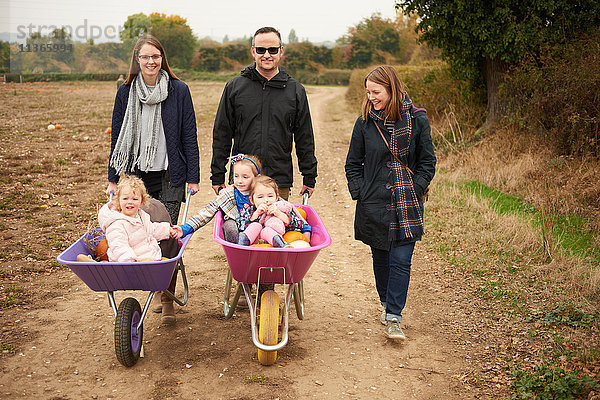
{"points": [[547, 382], [570, 231]]}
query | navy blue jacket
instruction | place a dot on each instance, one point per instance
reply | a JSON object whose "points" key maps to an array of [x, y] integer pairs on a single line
{"points": [[179, 124], [368, 171]]}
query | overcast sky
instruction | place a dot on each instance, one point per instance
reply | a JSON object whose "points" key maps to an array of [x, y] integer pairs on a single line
{"points": [[315, 20]]}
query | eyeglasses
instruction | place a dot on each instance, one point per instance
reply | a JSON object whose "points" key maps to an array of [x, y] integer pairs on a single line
{"points": [[271, 50], [155, 57]]}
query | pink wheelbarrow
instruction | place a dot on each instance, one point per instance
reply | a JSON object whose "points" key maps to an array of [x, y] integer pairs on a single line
{"points": [[112, 276], [266, 265]]}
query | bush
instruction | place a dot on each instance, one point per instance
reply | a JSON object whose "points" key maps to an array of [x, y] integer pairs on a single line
{"points": [[550, 383], [339, 77], [555, 94], [430, 86]]}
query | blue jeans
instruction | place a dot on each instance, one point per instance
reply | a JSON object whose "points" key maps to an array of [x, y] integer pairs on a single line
{"points": [[392, 275]]}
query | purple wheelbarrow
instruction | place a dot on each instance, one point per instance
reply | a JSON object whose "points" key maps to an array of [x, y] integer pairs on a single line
{"points": [[112, 276], [268, 265]]}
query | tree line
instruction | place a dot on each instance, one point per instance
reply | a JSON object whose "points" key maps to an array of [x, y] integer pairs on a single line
{"points": [[374, 40]]}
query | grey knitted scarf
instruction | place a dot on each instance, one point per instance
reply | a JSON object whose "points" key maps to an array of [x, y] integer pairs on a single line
{"points": [[127, 153]]}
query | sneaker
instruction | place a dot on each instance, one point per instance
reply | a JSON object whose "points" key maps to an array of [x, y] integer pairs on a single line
{"points": [[243, 239], [277, 241], [382, 318], [393, 331]]}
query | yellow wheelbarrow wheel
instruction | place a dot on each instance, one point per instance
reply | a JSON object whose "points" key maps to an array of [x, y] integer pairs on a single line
{"points": [[268, 327]]}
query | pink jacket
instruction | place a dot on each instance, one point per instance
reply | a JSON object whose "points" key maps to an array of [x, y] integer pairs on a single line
{"points": [[132, 239]]}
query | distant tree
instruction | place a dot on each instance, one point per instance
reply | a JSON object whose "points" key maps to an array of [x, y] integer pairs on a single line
{"points": [[4, 56], [135, 26], [306, 56], [481, 39], [292, 37], [371, 41], [172, 31], [225, 39]]}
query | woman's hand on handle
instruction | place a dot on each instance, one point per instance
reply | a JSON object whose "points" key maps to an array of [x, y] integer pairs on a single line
{"points": [[112, 187], [194, 187]]}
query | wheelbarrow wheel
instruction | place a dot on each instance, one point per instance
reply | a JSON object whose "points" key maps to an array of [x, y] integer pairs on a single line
{"points": [[268, 327], [128, 339], [299, 299]]}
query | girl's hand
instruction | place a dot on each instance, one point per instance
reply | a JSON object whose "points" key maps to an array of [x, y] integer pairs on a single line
{"points": [[176, 232], [273, 210]]}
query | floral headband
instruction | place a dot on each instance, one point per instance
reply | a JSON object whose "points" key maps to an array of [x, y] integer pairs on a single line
{"points": [[240, 157]]}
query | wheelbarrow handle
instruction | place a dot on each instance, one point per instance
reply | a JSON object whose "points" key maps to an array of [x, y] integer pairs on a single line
{"points": [[187, 205], [305, 198]]}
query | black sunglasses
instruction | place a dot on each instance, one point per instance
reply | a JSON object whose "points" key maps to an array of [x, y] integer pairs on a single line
{"points": [[271, 50]]}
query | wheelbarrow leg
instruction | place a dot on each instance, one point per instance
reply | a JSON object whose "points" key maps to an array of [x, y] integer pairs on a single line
{"points": [[229, 307]]}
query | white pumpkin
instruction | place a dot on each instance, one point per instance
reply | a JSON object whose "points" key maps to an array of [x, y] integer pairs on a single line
{"points": [[299, 244]]}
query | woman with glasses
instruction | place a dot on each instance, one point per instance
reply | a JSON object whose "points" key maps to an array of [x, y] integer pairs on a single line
{"points": [[154, 136]]}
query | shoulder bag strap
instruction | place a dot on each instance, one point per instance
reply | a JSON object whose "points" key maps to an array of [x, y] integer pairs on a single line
{"points": [[388, 146]]}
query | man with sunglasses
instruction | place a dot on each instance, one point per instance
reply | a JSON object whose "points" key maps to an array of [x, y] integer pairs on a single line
{"points": [[262, 112]]}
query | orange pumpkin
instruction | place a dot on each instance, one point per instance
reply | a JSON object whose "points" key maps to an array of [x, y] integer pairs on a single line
{"points": [[261, 245], [108, 130], [292, 236], [58, 126], [301, 211], [101, 250]]}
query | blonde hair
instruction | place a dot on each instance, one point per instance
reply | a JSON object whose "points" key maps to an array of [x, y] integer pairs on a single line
{"points": [[133, 182], [250, 160], [264, 181], [387, 77]]}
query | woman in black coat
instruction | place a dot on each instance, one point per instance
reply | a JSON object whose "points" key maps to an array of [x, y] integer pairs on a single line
{"points": [[389, 166]]}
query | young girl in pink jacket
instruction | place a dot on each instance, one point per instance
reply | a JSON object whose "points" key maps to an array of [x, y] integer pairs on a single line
{"points": [[130, 234]]}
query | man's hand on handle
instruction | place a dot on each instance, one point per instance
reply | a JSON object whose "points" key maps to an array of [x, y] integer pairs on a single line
{"points": [[217, 188], [307, 189]]}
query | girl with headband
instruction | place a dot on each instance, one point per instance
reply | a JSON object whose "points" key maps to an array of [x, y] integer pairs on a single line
{"points": [[232, 201]]}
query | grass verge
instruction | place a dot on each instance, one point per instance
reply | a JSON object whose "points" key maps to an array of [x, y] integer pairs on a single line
{"points": [[541, 315]]}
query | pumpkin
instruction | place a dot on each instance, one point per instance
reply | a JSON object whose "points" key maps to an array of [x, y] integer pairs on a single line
{"points": [[108, 130], [51, 127], [101, 250], [58, 126], [292, 236], [299, 244], [301, 211], [261, 245]]}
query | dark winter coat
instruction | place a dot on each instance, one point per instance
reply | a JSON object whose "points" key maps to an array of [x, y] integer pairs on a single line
{"points": [[264, 117], [368, 172], [179, 124]]}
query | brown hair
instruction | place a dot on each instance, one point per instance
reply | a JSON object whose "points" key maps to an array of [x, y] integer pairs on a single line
{"points": [[264, 181], [136, 184], [134, 66], [253, 165], [267, 29], [387, 77]]}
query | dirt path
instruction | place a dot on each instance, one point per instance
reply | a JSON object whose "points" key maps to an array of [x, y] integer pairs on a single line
{"points": [[337, 351]]}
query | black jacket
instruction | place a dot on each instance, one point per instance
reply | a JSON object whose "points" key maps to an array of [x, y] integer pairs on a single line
{"points": [[263, 117], [367, 172], [179, 124]]}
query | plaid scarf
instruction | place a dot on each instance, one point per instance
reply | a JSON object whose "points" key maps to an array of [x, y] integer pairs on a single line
{"points": [[407, 222]]}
